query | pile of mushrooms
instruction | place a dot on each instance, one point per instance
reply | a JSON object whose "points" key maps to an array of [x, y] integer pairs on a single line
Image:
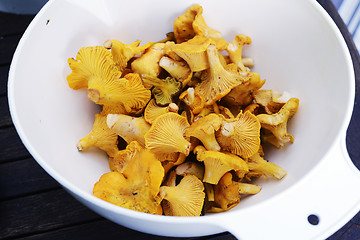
{"points": [[183, 120]]}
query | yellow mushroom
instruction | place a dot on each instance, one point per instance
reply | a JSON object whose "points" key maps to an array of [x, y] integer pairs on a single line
{"points": [[100, 136], [227, 193], [137, 187], [91, 64], [164, 90], [277, 123], [242, 94], [226, 112], [185, 199], [259, 166], [122, 52], [217, 81], [194, 54], [179, 70], [148, 62], [234, 50], [169, 161], [166, 134], [128, 92], [270, 100], [183, 25], [120, 160], [129, 128], [240, 135], [218, 163], [190, 168], [194, 100], [152, 110], [204, 129]]}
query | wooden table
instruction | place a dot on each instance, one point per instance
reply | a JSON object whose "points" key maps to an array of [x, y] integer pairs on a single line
{"points": [[34, 206]]}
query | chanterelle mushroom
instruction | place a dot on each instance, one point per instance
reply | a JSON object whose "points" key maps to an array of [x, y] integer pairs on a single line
{"points": [[242, 94], [128, 92], [234, 50], [152, 110], [166, 134], [183, 25], [177, 69], [137, 187], [204, 130], [89, 66], [123, 52], [185, 199], [100, 136], [218, 163], [217, 81], [164, 90], [120, 160], [128, 127], [240, 135], [259, 166], [148, 62], [277, 123]]}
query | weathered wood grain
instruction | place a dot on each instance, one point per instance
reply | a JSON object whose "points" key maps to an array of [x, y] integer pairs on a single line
{"points": [[11, 145], [4, 70], [101, 228], [23, 177], [5, 119], [11, 24], [41, 212], [8, 45]]}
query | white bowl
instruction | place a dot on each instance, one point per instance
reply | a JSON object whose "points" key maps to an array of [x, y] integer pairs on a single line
{"points": [[297, 48]]}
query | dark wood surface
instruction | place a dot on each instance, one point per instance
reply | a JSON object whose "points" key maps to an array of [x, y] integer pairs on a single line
{"points": [[34, 206]]}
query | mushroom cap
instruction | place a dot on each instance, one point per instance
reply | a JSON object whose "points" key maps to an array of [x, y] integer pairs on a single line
{"points": [[190, 168], [128, 91], [137, 187], [259, 166], [218, 163], [166, 134], [204, 130], [122, 52], [194, 54], [148, 62], [152, 111], [164, 90], [120, 160], [179, 70], [234, 50], [270, 100], [91, 64], [217, 81], [185, 199], [100, 136], [277, 123], [242, 94], [227, 193], [241, 135], [127, 127], [183, 25], [194, 100]]}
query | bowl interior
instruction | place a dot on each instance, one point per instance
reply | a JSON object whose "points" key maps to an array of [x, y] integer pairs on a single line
{"points": [[304, 56]]}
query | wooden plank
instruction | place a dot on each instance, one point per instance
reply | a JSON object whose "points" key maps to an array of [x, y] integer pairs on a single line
{"points": [[11, 145], [11, 24], [24, 177], [8, 45], [4, 70], [5, 119], [104, 229], [42, 212]]}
